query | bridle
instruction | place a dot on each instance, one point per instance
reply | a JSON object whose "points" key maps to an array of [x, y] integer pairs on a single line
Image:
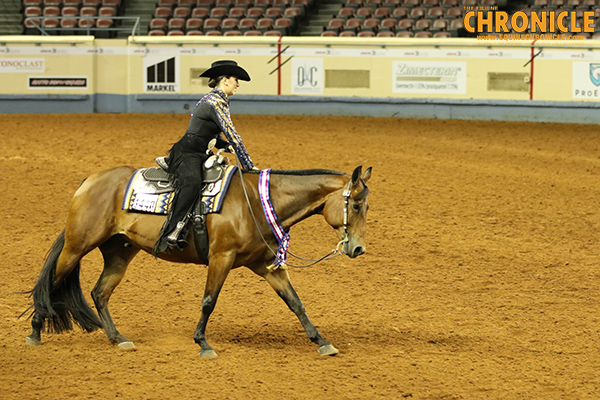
{"points": [[333, 253]]}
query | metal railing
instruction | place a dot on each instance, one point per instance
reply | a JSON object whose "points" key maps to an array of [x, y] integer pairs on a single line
{"points": [[88, 29]]}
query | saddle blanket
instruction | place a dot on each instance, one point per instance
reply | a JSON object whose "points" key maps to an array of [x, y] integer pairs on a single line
{"points": [[154, 196]]}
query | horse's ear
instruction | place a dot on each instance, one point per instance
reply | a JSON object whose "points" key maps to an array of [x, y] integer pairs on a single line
{"points": [[356, 174], [367, 175]]}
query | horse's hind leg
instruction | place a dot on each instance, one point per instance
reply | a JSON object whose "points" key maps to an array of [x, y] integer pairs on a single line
{"points": [[117, 252], [280, 281]]}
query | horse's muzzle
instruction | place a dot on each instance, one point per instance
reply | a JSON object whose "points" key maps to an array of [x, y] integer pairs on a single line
{"points": [[353, 251]]}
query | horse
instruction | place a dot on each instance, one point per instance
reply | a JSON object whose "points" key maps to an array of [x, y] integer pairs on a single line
{"points": [[239, 235]]}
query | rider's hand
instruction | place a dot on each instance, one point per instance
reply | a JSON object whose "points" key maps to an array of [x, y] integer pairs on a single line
{"points": [[255, 169]]}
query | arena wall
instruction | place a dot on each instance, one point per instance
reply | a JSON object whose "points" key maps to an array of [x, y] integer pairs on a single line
{"points": [[554, 81]]}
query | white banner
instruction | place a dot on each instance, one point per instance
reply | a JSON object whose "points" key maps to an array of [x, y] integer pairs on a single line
{"points": [[586, 80], [307, 75], [431, 77], [16, 65], [161, 75]]}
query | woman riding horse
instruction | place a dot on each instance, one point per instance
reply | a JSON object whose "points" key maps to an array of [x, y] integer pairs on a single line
{"points": [[186, 157]]}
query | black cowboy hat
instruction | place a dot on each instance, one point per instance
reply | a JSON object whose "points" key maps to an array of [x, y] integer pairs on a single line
{"points": [[226, 68]]}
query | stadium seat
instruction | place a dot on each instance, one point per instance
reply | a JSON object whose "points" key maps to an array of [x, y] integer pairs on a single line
{"points": [[400, 12], [156, 33], [245, 4], [273, 12], [283, 25], [423, 34], [293, 12], [218, 12], [411, 3], [234, 32], [211, 24], [355, 4], [200, 12], [91, 3], [194, 33], [50, 23], [104, 23], [68, 26], [366, 34], [405, 24], [370, 24], [253, 32], [193, 24], [229, 24], [213, 33], [442, 35], [385, 34], [345, 13], [72, 3], [182, 12], [430, 3], [255, 12], [264, 24], [33, 3], [85, 23], [387, 24], [335, 25], [439, 25], [363, 13], [166, 3], [374, 4], [51, 11], [162, 12], [247, 24], [175, 32], [347, 33], [392, 3], [106, 12], [352, 24], [158, 24], [272, 32], [224, 3], [176, 24], [32, 11], [421, 25], [450, 3], [236, 12], [52, 3], [186, 3], [454, 12], [264, 4], [328, 33], [417, 12], [205, 3], [435, 12], [281, 3], [88, 11], [381, 13]]}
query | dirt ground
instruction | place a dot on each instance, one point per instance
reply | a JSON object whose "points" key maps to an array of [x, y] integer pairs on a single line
{"points": [[480, 281]]}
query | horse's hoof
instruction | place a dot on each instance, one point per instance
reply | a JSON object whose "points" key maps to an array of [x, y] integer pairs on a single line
{"points": [[208, 353], [32, 342], [126, 345], [328, 350]]}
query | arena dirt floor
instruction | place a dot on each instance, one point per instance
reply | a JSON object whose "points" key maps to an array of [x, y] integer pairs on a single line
{"points": [[480, 281]]}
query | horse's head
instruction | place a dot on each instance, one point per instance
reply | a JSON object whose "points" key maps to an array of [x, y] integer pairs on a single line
{"points": [[347, 213]]}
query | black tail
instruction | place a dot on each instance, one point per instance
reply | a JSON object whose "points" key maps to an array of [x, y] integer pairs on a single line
{"points": [[61, 305]]}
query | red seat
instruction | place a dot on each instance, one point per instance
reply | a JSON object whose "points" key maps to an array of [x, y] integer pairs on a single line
{"points": [[454, 12], [430, 3], [158, 24], [385, 34], [186, 3], [253, 33], [91, 3], [264, 24], [381, 13], [243, 3], [335, 24], [89, 11], [107, 12], [247, 24], [156, 33], [194, 33], [182, 12], [200, 12], [387, 24], [273, 12], [347, 33], [345, 13], [411, 3], [175, 32], [224, 3], [162, 12], [166, 3], [32, 3], [363, 12], [328, 33], [370, 24], [405, 24], [32, 11], [213, 33], [400, 12], [211, 24], [232, 33], [352, 24], [50, 23], [442, 34], [51, 11], [272, 32], [421, 25], [366, 34], [423, 34], [439, 25], [218, 12], [237, 12], [193, 24], [255, 12], [404, 34], [229, 24], [283, 25], [85, 23], [435, 12], [355, 4], [176, 24], [417, 12]]}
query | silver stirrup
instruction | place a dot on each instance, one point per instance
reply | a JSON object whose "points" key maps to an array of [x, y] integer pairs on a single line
{"points": [[162, 162]]}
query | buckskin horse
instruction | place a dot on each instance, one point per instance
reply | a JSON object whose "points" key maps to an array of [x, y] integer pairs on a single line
{"points": [[236, 238]]}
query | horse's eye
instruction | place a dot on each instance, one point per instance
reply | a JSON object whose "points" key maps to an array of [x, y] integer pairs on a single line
{"points": [[356, 207]]}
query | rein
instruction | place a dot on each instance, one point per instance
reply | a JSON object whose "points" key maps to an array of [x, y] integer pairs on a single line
{"points": [[333, 253]]}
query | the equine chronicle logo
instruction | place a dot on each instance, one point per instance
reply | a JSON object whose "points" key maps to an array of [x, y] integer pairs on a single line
{"points": [[539, 22], [161, 75], [595, 73]]}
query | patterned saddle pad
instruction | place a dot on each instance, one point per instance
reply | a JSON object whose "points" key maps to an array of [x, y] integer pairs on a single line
{"points": [[150, 191]]}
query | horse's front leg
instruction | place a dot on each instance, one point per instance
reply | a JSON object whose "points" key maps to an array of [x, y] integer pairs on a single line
{"points": [[217, 273], [280, 281]]}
